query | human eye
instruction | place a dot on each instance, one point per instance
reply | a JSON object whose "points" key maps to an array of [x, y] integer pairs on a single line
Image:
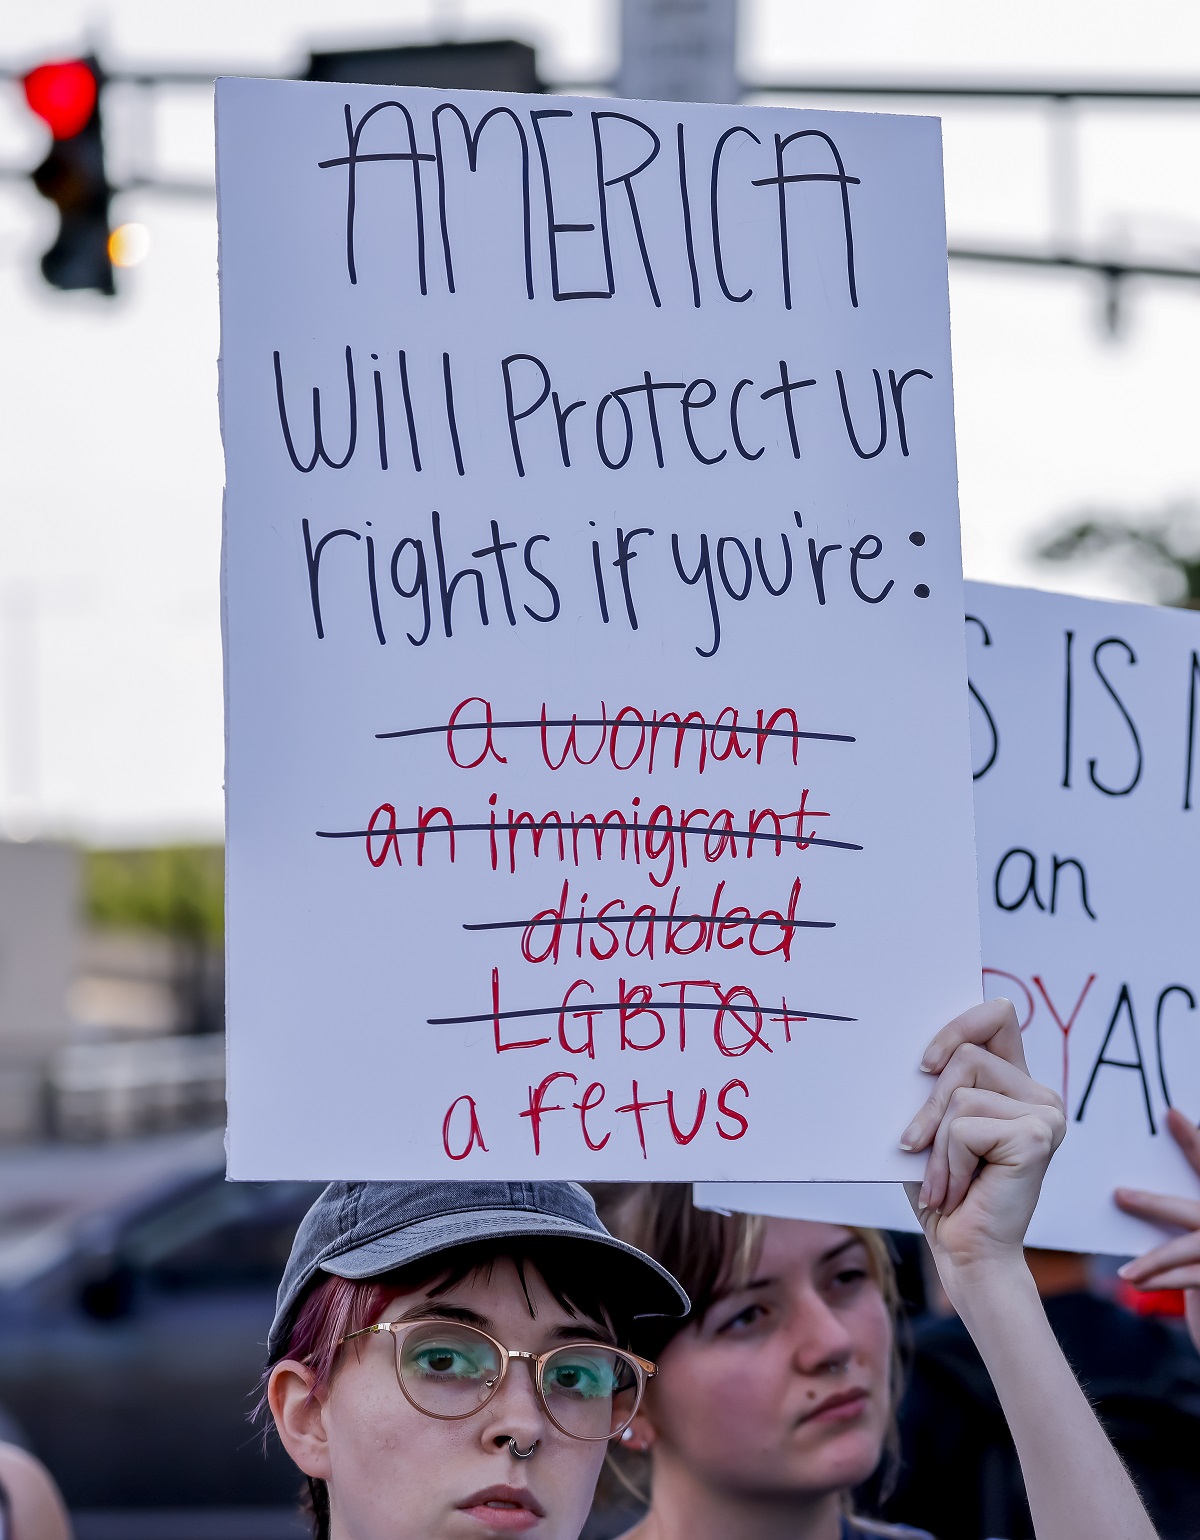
{"points": [[849, 1279], [447, 1358], [581, 1374], [747, 1317]]}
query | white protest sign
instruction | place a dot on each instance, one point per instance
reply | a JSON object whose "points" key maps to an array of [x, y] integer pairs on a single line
{"points": [[874, 1205], [598, 768], [1086, 734]]}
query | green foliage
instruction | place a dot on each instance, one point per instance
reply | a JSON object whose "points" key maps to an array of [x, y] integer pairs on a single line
{"points": [[174, 890], [1162, 548]]}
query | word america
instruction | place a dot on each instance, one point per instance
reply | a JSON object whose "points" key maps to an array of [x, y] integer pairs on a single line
{"points": [[589, 257]]}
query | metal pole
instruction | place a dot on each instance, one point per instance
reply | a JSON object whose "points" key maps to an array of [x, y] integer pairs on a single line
{"points": [[22, 767], [679, 50]]}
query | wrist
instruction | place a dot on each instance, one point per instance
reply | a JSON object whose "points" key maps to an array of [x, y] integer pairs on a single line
{"points": [[980, 1284]]}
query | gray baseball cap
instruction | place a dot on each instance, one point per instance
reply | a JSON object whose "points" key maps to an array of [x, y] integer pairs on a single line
{"points": [[359, 1230]]}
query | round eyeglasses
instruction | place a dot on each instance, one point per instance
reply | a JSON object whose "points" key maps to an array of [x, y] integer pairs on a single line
{"points": [[449, 1370]]}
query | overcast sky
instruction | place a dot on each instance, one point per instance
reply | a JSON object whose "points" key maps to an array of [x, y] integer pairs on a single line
{"points": [[110, 473]]}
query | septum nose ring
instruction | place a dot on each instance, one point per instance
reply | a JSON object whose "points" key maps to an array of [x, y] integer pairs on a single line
{"points": [[522, 1454]]}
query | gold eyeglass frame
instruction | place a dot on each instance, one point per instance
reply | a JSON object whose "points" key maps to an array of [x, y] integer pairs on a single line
{"points": [[644, 1371]]}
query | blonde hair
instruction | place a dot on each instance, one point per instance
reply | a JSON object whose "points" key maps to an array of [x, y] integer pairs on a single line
{"points": [[711, 1254]]}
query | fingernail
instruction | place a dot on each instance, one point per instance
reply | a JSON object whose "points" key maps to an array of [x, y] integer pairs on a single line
{"points": [[909, 1137], [929, 1062], [1126, 1271], [923, 1200]]}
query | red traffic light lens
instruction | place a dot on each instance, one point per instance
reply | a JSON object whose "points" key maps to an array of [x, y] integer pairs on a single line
{"points": [[63, 95]]}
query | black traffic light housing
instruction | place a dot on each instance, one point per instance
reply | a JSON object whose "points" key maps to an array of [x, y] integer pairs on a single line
{"points": [[66, 96], [496, 66]]}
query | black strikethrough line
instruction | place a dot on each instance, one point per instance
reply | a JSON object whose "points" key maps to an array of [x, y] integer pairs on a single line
{"points": [[655, 919], [785, 1012], [387, 831], [642, 722]]}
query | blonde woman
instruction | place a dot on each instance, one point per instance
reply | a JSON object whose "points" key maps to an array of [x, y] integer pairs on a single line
{"points": [[774, 1399]]}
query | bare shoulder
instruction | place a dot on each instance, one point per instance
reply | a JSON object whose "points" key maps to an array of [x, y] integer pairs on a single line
{"points": [[36, 1506]]}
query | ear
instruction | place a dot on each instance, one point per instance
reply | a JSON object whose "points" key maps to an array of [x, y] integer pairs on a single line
{"points": [[639, 1436], [299, 1417]]}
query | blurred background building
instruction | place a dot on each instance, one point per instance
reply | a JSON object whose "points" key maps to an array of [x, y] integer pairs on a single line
{"points": [[111, 990], [39, 947]]}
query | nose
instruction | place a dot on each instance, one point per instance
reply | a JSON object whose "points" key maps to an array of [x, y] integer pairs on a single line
{"points": [[824, 1345], [515, 1411]]}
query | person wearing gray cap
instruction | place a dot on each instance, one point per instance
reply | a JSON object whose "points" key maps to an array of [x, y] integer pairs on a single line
{"points": [[447, 1359]]}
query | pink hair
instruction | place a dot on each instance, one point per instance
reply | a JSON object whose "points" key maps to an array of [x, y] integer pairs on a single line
{"points": [[336, 1307]]}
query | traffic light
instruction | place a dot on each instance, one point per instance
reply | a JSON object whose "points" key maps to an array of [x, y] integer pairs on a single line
{"points": [[66, 96]]}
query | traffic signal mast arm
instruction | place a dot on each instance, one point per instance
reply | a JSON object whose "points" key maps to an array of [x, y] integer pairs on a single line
{"points": [[73, 173]]}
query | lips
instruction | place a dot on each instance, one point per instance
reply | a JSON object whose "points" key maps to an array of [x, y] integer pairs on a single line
{"points": [[504, 1509], [844, 1406]]}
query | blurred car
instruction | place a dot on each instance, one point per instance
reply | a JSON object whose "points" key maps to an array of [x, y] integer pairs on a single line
{"points": [[132, 1338]]}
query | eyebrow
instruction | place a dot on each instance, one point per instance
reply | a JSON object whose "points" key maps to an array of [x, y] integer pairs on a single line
{"points": [[836, 1251], [755, 1284], [585, 1331], [428, 1310]]}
